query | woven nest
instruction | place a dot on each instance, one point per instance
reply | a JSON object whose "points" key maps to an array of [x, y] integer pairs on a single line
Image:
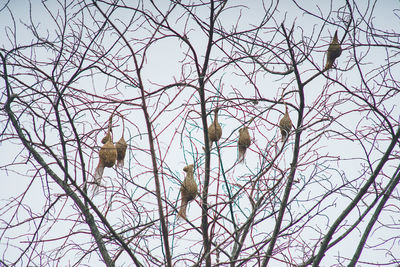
{"points": [[334, 51], [214, 130], [188, 190], [285, 125], [108, 154], [243, 142]]}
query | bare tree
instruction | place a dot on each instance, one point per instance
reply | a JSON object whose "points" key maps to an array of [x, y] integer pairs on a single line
{"points": [[318, 187]]}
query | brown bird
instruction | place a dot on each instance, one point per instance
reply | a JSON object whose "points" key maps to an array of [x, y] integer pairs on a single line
{"points": [[285, 124], [188, 190], [243, 142], [334, 51], [121, 151], [107, 158], [214, 130]]}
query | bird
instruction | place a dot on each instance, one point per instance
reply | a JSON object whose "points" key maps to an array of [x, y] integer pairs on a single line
{"points": [[121, 151], [285, 124], [334, 51], [107, 158], [214, 130], [188, 190], [243, 142]]}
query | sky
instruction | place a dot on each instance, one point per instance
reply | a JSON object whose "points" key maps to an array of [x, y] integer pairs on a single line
{"points": [[177, 126]]}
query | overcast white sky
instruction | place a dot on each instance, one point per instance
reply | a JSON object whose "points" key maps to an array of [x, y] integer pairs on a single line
{"points": [[163, 66]]}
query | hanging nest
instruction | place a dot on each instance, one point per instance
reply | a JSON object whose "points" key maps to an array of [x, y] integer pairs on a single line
{"points": [[108, 154], [243, 142], [188, 190], [214, 130], [334, 51], [107, 158], [285, 124], [121, 151]]}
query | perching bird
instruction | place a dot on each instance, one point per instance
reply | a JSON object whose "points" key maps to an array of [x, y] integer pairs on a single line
{"points": [[214, 130], [243, 142], [188, 190], [334, 51], [121, 151], [285, 124], [107, 158]]}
